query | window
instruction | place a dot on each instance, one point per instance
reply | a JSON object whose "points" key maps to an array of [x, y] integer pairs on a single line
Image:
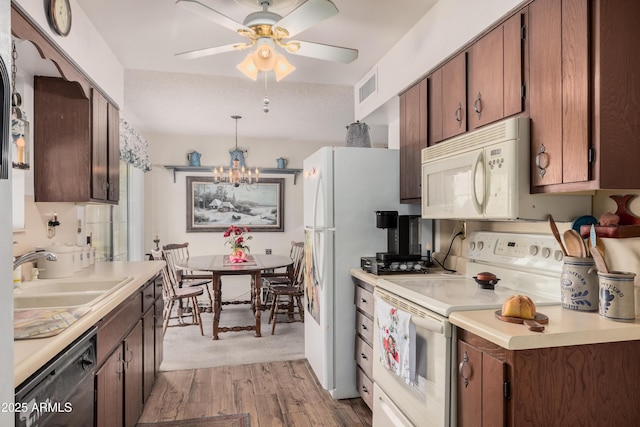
{"points": [[107, 224]]}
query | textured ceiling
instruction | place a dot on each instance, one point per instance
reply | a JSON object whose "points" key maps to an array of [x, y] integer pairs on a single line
{"points": [[166, 94]]}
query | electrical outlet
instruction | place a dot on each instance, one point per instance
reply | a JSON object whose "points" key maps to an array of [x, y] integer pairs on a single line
{"points": [[462, 228], [267, 251]]}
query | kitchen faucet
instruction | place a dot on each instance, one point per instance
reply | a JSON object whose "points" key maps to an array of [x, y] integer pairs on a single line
{"points": [[32, 256]]}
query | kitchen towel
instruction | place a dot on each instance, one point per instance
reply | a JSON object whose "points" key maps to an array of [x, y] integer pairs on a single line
{"points": [[396, 340]]}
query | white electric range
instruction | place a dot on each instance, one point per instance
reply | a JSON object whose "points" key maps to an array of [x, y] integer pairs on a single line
{"points": [[527, 264]]}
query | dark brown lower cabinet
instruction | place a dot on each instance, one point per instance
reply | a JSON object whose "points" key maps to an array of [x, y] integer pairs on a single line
{"points": [[129, 350], [578, 385], [481, 379], [110, 391]]}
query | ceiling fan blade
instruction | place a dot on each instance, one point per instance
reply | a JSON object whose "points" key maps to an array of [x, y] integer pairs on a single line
{"points": [[212, 15], [306, 16], [324, 51], [199, 53]]}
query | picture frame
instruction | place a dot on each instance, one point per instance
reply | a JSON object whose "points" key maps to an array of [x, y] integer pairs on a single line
{"points": [[215, 206]]}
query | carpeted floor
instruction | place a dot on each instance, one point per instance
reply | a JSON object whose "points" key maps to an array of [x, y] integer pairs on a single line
{"points": [[237, 420], [185, 348]]}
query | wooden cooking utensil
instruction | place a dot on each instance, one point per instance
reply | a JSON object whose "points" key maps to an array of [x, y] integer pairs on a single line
{"points": [[601, 264], [535, 325], [556, 234], [574, 244]]}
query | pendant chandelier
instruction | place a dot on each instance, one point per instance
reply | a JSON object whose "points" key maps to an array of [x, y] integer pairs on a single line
{"points": [[237, 173]]}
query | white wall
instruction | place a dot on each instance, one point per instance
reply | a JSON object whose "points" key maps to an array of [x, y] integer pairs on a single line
{"points": [[445, 28]]}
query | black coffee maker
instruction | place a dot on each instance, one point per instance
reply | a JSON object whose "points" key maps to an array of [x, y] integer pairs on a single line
{"points": [[403, 236]]}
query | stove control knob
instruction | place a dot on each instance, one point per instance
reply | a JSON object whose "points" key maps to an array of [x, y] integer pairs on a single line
{"points": [[480, 245], [546, 252], [558, 255], [472, 246], [533, 250]]}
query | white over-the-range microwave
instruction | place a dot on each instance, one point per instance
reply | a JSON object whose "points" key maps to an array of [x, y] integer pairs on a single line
{"points": [[484, 175]]}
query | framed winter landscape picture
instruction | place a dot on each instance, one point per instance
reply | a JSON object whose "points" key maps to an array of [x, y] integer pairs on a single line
{"points": [[215, 206]]}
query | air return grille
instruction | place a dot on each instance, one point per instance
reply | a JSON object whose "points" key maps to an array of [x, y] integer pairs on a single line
{"points": [[369, 87]]}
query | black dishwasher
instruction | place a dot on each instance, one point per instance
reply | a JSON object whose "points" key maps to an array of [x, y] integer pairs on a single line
{"points": [[62, 392]]}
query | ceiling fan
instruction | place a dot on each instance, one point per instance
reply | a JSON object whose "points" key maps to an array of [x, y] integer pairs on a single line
{"points": [[266, 30]]}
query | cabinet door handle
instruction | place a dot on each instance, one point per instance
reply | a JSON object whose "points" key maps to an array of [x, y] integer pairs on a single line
{"points": [[364, 389], [542, 160], [364, 326], [362, 300], [364, 356], [458, 114], [477, 105], [467, 373], [120, 366]]}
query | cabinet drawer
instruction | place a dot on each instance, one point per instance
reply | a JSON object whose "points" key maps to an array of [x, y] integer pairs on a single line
{"points": [[365, 387], [364, 326], [364, 356], [115, 325], [148, 296], [364, 300]]}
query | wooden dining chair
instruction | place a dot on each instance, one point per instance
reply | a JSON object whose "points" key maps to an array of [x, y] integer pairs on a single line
{"points": [[187, 299], [173, 253], [287, 291], [282, 278]]}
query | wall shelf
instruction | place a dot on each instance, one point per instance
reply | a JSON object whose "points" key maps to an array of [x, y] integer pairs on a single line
{"points": [[263, 171]]}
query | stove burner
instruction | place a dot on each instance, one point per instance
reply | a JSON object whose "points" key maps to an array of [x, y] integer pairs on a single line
{"points": [[375, 266]]}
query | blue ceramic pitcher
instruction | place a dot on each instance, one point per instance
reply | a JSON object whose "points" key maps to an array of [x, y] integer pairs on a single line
{"points": [[281, 162], [194, 158]]}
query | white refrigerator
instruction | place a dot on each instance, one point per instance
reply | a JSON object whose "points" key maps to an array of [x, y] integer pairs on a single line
{"points": [[343, 187]]}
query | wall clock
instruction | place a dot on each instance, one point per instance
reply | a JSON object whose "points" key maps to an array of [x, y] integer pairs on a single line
{"points": [[60, 16]]}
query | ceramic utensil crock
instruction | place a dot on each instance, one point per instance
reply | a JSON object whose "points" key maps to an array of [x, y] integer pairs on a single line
{"points": [[617, 300], [579, 284]]}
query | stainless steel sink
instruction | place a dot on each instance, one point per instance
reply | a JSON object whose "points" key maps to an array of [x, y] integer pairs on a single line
{"points": [[66, 299]]}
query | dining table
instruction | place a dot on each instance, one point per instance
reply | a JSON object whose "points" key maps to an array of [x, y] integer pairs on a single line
{"points": [[221, 265]]}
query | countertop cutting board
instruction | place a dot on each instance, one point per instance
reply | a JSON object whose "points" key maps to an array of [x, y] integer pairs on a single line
{"points": [[42, 323]]}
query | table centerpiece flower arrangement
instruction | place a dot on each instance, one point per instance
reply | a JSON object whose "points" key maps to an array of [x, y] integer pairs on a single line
{"points": [[237, 238]]}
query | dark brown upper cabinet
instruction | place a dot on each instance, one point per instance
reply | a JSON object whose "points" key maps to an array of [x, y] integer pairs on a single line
{"points": [[584, 94], [495, 76], [413, 138], [76, 144], [448, 100]]}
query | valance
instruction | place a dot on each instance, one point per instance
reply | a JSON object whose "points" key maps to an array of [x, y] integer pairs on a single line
{"points": [[134, 148]]}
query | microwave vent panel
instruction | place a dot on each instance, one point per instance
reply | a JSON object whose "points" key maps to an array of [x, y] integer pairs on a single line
{"points": [[499, 132]]}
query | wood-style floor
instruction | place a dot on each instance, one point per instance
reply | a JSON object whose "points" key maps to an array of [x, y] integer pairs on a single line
{"points": [[274, 394]]}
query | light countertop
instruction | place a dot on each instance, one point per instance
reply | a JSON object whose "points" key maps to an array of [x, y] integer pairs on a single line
{"points": [[566, 327], [30, 355]]}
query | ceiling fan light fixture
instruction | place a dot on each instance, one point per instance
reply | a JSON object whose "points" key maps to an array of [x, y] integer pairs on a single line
{"points": [[282, 68], [248, 68], [264, 57]]}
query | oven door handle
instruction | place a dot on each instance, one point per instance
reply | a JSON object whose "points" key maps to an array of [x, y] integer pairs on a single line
{"points": [[428, 324]]}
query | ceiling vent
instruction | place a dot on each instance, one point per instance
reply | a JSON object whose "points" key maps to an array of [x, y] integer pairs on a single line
{"points": [[369, 87]]}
